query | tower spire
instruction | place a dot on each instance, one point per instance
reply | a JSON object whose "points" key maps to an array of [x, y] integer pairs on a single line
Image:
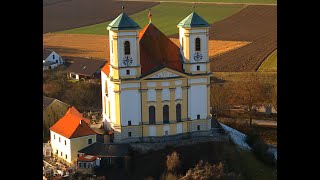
{"points": [[149, 16]]}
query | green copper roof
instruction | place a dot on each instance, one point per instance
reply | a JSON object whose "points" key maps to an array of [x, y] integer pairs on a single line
{"points": [[193, 20], [123, 22]]}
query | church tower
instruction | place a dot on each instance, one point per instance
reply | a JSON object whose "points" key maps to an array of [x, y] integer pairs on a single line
{"points": [[124, 48], [194, 37]]}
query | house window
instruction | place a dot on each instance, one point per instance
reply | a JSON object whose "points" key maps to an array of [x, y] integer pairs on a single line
{"points": [[165, 114], [127, 48], [89, 141], [78, 155], [61, 154], [129, 123], [59, 139], [129, 134], [85, 165], [54, 136], [66, 157], [56, 61], [53, 57], [178, 112], [65, 142], [152, 115], [198, 44], [198, 127], [128, 72], [198, 68], [57, 152], [80, 164], [198, 116]]}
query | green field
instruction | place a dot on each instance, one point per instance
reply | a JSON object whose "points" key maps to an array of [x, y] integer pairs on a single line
{"points": [[166, 16], [270, 64], [229, 1]]}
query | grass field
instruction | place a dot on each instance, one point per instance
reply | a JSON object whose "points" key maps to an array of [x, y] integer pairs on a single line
{"points": [[239, 76], [229, 1], [166, 16], [270, 64]]}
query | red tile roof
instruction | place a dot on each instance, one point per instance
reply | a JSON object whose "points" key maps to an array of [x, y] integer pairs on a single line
{"points": [[157, 50], [69, 125], [87, 158], [106, 69]]}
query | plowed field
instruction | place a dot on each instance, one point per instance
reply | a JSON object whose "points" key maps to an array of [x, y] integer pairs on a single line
{"points": [[61, 15]]}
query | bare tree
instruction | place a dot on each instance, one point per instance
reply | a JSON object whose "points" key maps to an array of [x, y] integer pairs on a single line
{"points": [[249, 92], [219, 97], [173, 162], [206, 171]]}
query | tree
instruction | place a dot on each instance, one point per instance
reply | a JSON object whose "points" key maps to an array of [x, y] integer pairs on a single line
{"points": [[219, 97], [206, 171], [249, 92], [173, 162]]}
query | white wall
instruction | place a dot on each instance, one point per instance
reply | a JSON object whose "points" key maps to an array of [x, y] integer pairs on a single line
{"points": [[55, 57], [60, 146], [130, 104], [152, 95], [152, 131], [197, 101]]}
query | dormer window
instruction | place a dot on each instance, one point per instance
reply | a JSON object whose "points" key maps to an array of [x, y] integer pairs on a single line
{"points": [[127, 48], [198, 47]]}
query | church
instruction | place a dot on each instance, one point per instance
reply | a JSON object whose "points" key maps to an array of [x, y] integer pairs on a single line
{"points": [[150, 86]]}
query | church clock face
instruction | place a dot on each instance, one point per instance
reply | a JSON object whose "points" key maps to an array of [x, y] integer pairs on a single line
{"points": [[127, 60], [197, 56]]}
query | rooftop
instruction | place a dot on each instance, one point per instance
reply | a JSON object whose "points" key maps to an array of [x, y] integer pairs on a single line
{"points": [[46, 53], [85, 66], [87, 158], [193, 20], [123, 22], [72, 125], [106, 150]]}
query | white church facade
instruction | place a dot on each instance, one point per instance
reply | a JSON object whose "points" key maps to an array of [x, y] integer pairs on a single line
{"points": [[151, 87]]}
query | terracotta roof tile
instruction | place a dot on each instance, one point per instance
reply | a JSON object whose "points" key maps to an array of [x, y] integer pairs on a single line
{"points": [[156, 49], [106, 69], [69, 125]]}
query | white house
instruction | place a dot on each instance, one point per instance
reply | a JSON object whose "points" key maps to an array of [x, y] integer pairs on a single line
{"points": [[51, 59], [70, 134]]}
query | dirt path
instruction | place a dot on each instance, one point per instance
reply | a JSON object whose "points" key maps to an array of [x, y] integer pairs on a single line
{"points": [[200, 2]]}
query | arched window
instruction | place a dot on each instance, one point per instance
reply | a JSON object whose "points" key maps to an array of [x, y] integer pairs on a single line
{"points": [[178, 112], [152, 115], [127, 48], [165, 114], [198, 47]]}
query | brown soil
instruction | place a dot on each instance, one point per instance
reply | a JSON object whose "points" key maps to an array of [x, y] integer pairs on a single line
{"points": [[97, 46], [61, 15], [256, 24]]}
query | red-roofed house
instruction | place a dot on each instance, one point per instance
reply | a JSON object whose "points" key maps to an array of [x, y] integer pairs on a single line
{"points": [[70, 134], [153, 88]]}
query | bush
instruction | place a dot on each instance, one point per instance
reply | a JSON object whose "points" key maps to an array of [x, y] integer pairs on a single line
{"points": [[173, 162], [206, 171]]}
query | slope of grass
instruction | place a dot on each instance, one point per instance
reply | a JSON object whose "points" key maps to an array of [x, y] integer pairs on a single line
{"points": [[166, 16], [270, 64], [229, 1]]}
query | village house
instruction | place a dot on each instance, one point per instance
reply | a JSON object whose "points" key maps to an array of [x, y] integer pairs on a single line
{"points": [[70, 134], [153, 88], [51, 59], [85, 68]]}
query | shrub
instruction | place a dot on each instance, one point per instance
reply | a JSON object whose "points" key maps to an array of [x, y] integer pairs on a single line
{"points": [[173, 162], [206, 171]]}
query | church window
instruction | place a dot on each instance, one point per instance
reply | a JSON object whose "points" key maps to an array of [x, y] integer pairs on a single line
{"points": [[129, 134], [128, 72], [178, 112], [198, 68], [129, 123], [152, 115], [198, 44], [165, 114], [127, 48]]}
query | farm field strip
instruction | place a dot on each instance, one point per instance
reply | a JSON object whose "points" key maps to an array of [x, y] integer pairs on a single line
{"points": [[225, 2], [97, 46], [166, 16], [270, 64]]}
